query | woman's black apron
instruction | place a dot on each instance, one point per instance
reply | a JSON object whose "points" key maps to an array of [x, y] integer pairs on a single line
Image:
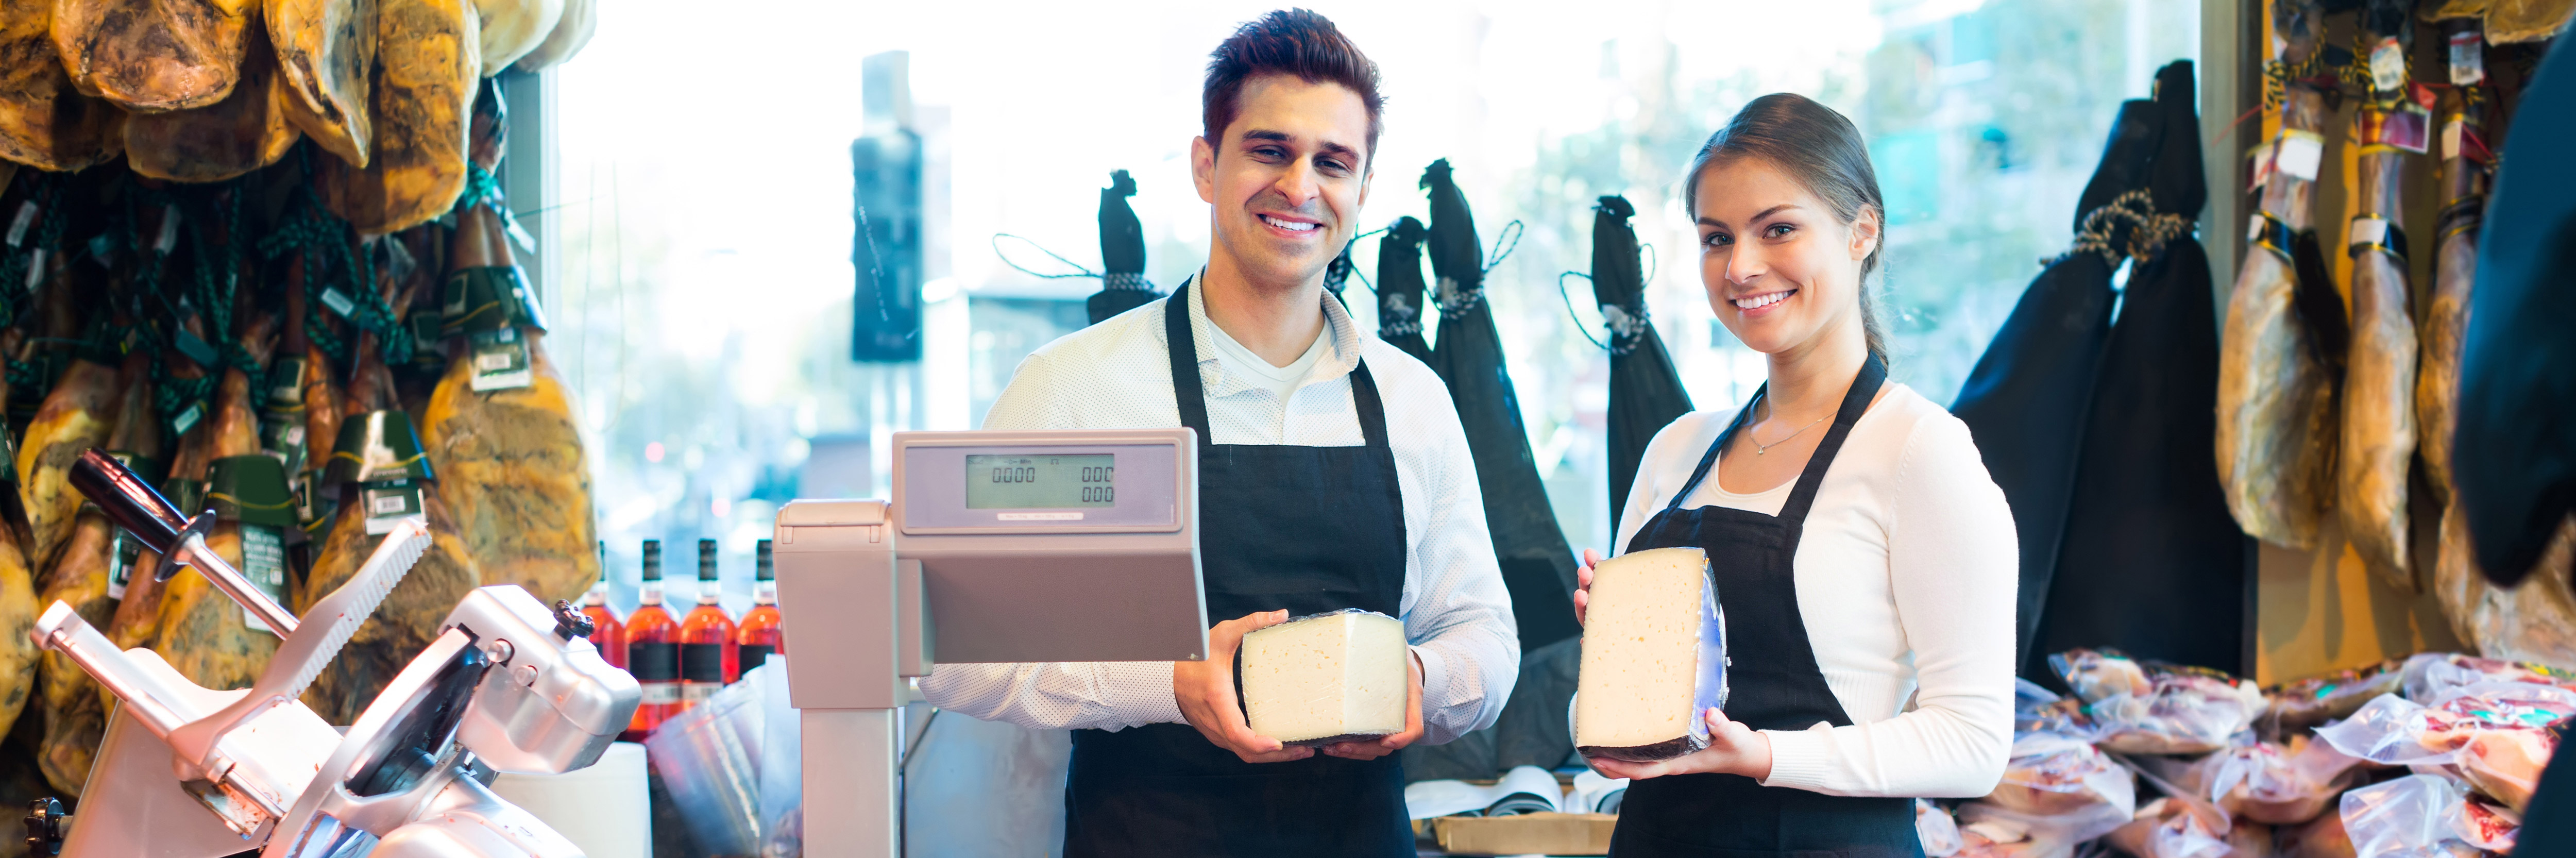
{"points": [[1773, 682], [1306, 529]]}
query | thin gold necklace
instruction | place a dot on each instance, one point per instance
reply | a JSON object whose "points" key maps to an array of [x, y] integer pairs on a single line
{"points": [[1760, 448]]}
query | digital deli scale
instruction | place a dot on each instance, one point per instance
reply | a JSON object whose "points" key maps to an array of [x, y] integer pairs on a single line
{"points": [[1006, 546]]}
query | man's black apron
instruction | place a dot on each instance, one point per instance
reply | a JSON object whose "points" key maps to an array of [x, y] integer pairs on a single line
{"points": [[1306, 529], [1773, 681]]}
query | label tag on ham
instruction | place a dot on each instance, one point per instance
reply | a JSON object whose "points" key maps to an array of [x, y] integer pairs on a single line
{"points": [[121, 559], [501, 361], [169, 237], [2468, 59], [2298, 153], [35, 269], [187, 418], [386, 506], [264, 563], [339, 302]]}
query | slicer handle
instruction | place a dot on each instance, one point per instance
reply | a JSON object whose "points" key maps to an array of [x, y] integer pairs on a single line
{"points": [[129, 501], [62, 629]]}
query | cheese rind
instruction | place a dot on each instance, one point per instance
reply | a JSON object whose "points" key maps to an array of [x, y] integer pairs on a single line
{"points": [[1654, 657], [1326, 678]]}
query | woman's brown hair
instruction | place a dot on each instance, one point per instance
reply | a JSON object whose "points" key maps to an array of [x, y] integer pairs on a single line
{"points": [[1820, 150]]}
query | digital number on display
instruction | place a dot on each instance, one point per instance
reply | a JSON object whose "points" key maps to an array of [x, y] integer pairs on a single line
{"points": [[1041, 482]]}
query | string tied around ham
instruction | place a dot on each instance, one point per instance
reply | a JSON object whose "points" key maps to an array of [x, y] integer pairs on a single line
{"points": [[2127, 227]]}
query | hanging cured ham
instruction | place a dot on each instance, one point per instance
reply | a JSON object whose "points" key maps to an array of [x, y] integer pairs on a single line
{"points": [[420, 97], [501, 426], [1400, 291], [75, 708], [2283, 341], [1537, 566], [244, 132], [1122, 254], [326, 52], [78, 415], [17, 618], [154, 55], [2026, 400], [2378, 426], [572, 31], [1645, 390], [512, 28], [381, 475], [204, 634], [45, 122]]}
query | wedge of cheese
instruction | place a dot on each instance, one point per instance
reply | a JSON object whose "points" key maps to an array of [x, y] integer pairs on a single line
{"points": [[1325, 678], [1654, 657]]}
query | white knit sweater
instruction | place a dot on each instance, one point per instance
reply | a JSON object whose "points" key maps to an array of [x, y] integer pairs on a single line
{"points": [[1905, 578]]}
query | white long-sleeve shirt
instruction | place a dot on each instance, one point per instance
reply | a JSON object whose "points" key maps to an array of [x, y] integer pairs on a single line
{"points": [[1906, 577], [1117, 374]]}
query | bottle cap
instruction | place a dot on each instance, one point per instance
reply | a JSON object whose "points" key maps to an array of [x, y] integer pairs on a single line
{"points": [[766, 570], [706, 560], [652, 560]]}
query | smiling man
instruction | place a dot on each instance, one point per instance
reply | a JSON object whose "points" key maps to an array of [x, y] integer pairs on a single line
{"points": [[1332, 474]]}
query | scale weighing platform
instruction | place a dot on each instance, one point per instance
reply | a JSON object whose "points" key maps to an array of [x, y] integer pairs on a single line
{"points": [[998, 546]]}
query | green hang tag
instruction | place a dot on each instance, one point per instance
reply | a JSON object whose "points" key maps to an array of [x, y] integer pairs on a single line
{"points": [[187, 417], [286, 384], [388, 505], [339, 302], [122, 556], [314, 508], [264, 563], [196, 349], [281, 436], [501, 360]]}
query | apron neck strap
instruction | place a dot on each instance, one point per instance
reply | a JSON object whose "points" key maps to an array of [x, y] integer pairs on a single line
{"points": [[1190, 392], [1873, 374]]}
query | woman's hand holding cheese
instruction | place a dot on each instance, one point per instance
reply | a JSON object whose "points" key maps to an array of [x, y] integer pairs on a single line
{"points": [[1205, 692], [1583, 583], [1733, 749]]}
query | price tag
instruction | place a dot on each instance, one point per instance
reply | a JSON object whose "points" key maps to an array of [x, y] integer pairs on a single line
{"points": [[2369, 230], [339, 302], [35, 269], [187, 418], [121, 559], [196, 349], [501, 360], [387, 507], [2407, 128], [2299, 153], [26, 218], [2468, 59], [2387, 66]]}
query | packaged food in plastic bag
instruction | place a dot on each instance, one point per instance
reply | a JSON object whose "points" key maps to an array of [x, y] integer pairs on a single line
{"points": [[2424, 815], [2166, 828], [2506, 764], [2431, 676], [2273, 783], [2158, 709], [2050, 774], [2396, 731], [1940, 833], [2039, 710], [2322, 837], [2032, 835], [2310, 703]]}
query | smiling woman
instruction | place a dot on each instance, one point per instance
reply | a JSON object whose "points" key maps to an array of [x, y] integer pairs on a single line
{"points": [[1911, 566]]}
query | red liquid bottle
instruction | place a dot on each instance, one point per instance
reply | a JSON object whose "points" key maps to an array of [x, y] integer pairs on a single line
{"points": [[607, 632], [653, 649], [706, 637], [760, 634]]}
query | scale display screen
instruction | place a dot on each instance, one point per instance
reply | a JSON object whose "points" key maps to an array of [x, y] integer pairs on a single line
{"points": [[1063, 481]]}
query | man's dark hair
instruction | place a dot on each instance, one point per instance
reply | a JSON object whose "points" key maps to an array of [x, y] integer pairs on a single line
{"points": [[1289, 42]]}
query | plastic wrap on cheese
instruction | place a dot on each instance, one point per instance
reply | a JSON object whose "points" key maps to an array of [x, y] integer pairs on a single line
{"points": [[1654, 657], [1325, 678]]}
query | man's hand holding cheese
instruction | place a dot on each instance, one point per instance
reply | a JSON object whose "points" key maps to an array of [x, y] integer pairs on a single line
{"points": [[1343, 546]]}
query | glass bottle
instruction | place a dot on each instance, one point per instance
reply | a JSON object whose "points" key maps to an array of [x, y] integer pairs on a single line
{"points": [[653, 649], [607, 632], [706, 637], [760, 634]]}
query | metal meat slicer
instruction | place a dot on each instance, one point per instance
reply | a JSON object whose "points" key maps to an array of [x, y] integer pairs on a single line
{"points": [[190, 772]]}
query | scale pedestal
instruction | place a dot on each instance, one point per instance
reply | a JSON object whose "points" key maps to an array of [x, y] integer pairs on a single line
{"points": [[1025, 547]]}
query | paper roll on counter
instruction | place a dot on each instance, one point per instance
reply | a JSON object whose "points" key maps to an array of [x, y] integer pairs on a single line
{"points": [[603, 809]]}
